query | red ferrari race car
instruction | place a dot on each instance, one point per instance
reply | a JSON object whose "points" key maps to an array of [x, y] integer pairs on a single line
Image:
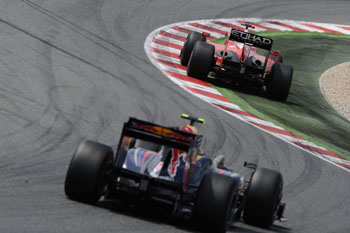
{"points": [[244, 59]]}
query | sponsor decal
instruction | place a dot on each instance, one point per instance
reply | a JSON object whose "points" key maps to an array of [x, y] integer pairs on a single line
{"points": [[157, 169], [164, 132], [246, 37], [175, 161]]}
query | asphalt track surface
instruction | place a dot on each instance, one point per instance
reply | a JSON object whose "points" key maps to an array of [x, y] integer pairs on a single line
{"points": [[75, 69]]}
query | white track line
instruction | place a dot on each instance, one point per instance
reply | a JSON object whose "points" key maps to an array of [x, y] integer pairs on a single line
{"points": [[333, 27], [219, 27], [170, 40], [275, 26], [172, 69], [199, 87], [301, 26], [166, 48], [166, 58], [197, 29], [176, 32]]}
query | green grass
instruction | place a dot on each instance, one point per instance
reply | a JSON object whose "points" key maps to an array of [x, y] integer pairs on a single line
{"points": [[306, 113]]}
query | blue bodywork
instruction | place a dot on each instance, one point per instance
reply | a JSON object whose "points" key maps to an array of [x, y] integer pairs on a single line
{"points": [[154, 164]]}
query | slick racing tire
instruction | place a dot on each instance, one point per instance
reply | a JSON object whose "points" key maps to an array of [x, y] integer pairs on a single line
{"points": [[216, 202], [279, 82], [263, 197], [88, 172], [201, 60], [190, 41]]}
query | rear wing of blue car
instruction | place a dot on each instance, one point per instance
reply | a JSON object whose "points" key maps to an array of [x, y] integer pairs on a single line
{"points": [[252, 39], [147, 131], [168, 136], [158, 134]]}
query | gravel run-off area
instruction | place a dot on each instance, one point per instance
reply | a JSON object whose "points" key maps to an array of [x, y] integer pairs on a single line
{"points": [[335, 86]]}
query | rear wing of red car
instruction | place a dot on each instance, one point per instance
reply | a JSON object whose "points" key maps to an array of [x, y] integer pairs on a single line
{"points": [[252, 39]]}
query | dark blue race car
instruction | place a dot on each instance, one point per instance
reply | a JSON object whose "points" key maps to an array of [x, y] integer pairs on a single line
{"points": [[166, 164]]}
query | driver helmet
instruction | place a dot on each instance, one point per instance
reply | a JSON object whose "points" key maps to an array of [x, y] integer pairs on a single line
{"points": [[189, 129], [193, 130]]}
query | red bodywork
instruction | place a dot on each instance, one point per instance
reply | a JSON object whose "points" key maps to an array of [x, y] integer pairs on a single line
{"points": [[243, 51]]}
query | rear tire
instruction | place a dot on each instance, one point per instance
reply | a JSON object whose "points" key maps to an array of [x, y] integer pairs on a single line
{"points": [[190, 41], [262, 198], [216, 202], [88, 172], [279, 82], [201, 60]]}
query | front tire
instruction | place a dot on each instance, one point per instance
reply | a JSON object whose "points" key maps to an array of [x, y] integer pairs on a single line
{"points": [[216, 202], [263, 197], [190, 41], [279, 82], [201, 60], [88, 172]]}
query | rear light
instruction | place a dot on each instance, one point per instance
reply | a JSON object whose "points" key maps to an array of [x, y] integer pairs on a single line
{"points": [[206, 34], [275, 53]]}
